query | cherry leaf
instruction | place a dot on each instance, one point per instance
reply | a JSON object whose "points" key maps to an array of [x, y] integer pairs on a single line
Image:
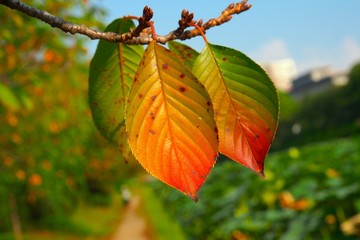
{"points": [[185, 52], [111, 73], [245, 103], [170, 122]]}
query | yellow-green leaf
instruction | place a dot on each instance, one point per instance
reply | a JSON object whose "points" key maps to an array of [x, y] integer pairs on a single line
{"points": [[245, 103], [169, 120], [186, 53]]}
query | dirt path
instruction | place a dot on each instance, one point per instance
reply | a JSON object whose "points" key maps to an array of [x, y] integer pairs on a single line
{"points": [[133, 226]]}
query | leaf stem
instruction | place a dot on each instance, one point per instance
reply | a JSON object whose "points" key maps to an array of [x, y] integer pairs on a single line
{"points": [[153, 32], [131, 17], [200, 30]]}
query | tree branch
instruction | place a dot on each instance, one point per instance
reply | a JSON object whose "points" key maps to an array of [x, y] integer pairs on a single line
{"points": [[135, 36]]}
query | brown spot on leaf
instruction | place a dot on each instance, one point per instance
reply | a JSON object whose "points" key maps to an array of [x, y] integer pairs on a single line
{"points": [[140, 95], [182, 75], [153, 98], [152, 132], [208, 103], [224, 59], [112, 120], [189, 55], [182, 89], [118, 102], [216, 130], [152, 115], [165, 66], [256, 136]]}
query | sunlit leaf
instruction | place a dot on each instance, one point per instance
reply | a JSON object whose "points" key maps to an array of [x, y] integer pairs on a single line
{"points": [[245, 104], [186, 53], [169, 120], [111, 74]]}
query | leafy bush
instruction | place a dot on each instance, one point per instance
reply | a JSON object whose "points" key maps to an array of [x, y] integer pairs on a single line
{"points": [[307, 194]]}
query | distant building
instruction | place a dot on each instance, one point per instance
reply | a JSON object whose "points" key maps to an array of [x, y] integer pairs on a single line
{"points": [[281, 72], [316, 81]]}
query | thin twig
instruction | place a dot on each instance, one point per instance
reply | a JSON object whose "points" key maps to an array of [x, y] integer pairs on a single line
{"points": [[135, 36]]}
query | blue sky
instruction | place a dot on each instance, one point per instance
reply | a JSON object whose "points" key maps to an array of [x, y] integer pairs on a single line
{"points": [[313, 33]]}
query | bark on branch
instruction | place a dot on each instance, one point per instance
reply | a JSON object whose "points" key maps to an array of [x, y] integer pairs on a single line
{"points": [[135, 36]]}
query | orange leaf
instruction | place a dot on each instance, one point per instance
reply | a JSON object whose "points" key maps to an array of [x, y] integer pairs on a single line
{"points": [[169, 120]]}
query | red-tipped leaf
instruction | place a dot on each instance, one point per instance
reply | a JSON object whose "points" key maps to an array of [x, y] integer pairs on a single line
{"points": [[245, 103]]}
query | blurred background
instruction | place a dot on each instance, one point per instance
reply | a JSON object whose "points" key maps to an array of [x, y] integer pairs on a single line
{"points": [[59, 179]]}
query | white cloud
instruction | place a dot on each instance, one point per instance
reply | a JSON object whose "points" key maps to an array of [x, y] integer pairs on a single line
{"points": [[340, 57], [273, 50], [351, 51]]}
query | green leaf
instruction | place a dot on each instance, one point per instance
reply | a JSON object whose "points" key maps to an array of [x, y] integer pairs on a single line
{"points": [[186, 53], [245, 103], [170, 122], [8, 98], [111, 75]]}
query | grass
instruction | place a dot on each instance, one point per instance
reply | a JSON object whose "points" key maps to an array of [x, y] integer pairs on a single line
{"points": [[100, 220], [164, 227], [89, 222]]}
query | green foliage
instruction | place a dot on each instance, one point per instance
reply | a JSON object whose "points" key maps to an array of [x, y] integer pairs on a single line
{"points": [[8, 98], [289, 107], [307, 194], [354, 77], [329, 114], [51, 156]]}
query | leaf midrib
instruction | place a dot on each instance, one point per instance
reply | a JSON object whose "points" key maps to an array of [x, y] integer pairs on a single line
{"points": [[167, 119]]}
